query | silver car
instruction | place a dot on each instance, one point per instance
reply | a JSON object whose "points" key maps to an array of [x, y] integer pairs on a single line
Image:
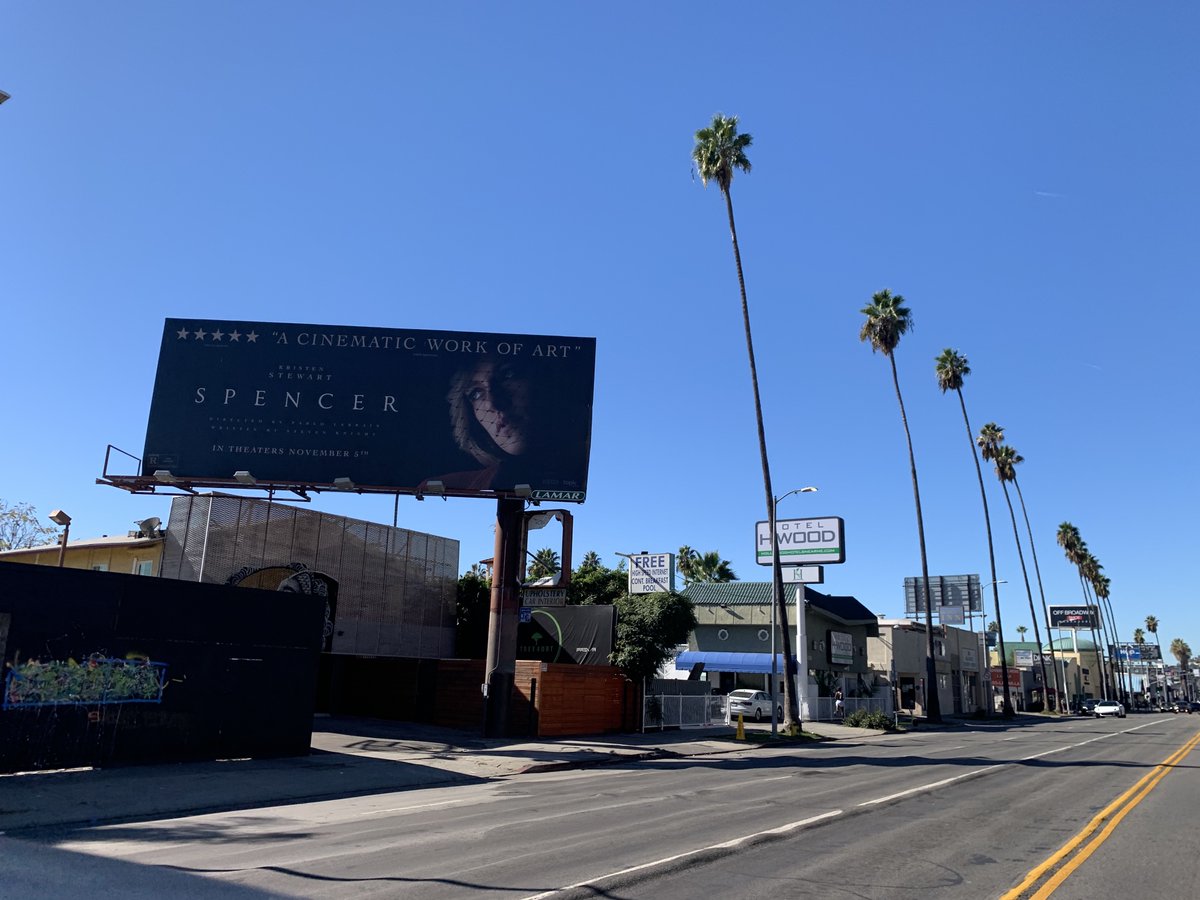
{"points": [[1109, 708], [754, 705]]}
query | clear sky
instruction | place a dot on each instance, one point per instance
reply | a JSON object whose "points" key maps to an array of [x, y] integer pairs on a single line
{"points": [[1024, 174]]}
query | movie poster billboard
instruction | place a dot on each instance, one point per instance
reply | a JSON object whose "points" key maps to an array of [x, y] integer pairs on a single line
{"points": [[372, 408], [1073, 617]]}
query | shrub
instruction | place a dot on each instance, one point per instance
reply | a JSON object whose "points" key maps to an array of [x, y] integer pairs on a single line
{"points": [[862, 718]]}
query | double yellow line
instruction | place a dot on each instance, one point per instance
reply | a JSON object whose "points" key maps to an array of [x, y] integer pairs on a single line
{"points": [[1113, 814]]}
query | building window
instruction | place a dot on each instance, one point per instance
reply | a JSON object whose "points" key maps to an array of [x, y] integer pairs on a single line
{"points": [[100, 567], [143, 567]]}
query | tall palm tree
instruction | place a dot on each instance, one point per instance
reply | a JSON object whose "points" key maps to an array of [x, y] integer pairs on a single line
{"points": [[951, 369], [1102, 586], [1060, 678], [1182, 653], [1092, 575], [1021, 629], [1152, 627], [719, 151], [1006, 460], [1075, 550], [1139, 638], [887, 321]]}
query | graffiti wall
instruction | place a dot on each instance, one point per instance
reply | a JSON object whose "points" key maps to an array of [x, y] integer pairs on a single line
{"points": [[100, 668]]}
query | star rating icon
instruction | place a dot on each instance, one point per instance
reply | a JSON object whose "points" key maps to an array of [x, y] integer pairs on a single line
{"points": [[218, 336]]}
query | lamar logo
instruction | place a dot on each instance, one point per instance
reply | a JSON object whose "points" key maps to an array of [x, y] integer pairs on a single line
{"points": [[571, 496]]}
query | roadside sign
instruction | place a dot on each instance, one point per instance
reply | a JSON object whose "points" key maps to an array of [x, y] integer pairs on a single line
{"points": [[802, 541], [947, 590], [651, 573], [951, 615], [544, 597], [803, 575]]}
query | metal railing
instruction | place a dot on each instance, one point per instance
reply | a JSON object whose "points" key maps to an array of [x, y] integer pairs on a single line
{"points": [[679, 711]]}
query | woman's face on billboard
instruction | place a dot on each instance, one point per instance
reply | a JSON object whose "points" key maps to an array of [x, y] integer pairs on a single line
{"points": [[500, 401]]}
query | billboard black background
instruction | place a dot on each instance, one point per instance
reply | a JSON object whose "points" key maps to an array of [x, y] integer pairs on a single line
{"points": [[306, 404]]}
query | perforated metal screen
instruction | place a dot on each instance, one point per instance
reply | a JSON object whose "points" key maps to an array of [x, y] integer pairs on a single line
{"points": [[395, 587]]}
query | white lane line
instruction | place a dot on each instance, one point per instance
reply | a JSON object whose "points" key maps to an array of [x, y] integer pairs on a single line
{"points": [[932, 785], [724, 845]]}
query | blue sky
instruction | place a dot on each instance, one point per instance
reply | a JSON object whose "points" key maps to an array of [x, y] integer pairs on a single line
{"points": [[1024, 174]]}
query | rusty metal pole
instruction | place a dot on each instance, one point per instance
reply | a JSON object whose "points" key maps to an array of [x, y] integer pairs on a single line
{"points": [[501, 665]]}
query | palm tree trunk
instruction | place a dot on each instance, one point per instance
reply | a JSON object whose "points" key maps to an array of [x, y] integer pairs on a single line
{"points": [[933, 703], [1087, 599], [790, 707], [1060, 683], [987, 521], [1028, 591], [1122, 665]]}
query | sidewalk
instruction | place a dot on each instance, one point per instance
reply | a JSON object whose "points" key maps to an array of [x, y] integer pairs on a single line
{"points": [[350, 757]]}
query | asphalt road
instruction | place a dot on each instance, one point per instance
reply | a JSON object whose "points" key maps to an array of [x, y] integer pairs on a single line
{"points": [[963, 813]]}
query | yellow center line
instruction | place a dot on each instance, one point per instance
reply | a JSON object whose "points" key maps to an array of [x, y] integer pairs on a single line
{"points": [[1143, 786]]}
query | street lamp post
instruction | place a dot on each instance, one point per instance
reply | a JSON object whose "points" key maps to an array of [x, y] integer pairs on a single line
{"points": [[777, 600], [58, 517]]}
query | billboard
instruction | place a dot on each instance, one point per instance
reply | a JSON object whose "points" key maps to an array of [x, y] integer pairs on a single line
{"points": [[569, 634], [802, 542], [1073, 617], [651, 573], [373, 409], [947, 590], [1134, 652]]}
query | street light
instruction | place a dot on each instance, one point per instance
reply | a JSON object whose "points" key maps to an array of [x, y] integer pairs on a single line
{"points": [[58, 517], [777, 599]]}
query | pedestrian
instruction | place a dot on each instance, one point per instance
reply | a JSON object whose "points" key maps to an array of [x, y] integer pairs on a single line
{"points": [[839, 708]]}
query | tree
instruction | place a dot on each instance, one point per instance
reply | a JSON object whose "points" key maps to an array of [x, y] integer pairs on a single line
{"points": [[1152, 627], [704, 567], [1076, 551], [1006, 460], [719, 151], [595, 583], [1102, 587], [544, 564], [887, 321], [649, 628], [20, 528], [472, 603], [1182, 653], [1021, 629], [951, 368]]}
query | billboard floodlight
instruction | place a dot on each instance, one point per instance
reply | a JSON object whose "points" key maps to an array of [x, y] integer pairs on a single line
{"points": [[523, 490], [164, 475], [245, 477], [435, 487], [343, 484]]}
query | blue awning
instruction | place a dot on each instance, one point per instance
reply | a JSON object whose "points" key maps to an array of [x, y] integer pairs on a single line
{"points": [[719, 661]]}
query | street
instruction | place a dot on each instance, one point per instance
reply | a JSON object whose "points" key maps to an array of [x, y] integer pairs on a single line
{"points": [[964, 812]]}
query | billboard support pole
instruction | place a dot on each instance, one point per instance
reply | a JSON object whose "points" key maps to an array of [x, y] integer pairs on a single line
{"points": [[501, 665]]}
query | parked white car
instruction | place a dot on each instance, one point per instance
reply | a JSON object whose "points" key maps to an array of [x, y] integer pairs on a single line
{"points": [[754, 705], [1109, 708]]}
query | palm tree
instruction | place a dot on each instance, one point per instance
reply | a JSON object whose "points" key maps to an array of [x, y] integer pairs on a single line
{"points": [[1152, 627], [1101, 586], [545, 563], [1092, 573], [1060, 678], [951, 369], [1075, 550], [719, 150], [709, 567], [887, 321], [1021, 629], [1182, 653], [1006, 460]]}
